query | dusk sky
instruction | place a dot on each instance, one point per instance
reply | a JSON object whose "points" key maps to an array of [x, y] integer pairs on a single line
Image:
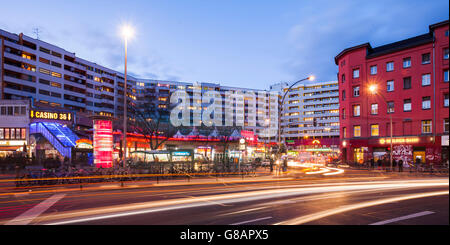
{"points": [[249, 44]]}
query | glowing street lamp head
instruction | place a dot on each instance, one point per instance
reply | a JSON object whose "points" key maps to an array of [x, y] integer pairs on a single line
{"points": [[373, 88], [127, 31], [311, 78]]}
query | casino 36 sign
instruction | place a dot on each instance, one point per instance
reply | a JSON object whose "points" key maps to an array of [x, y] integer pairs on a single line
{"points": [[48, 115]]}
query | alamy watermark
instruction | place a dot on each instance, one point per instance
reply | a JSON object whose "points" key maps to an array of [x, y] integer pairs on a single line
{"points": [[210, 108]]}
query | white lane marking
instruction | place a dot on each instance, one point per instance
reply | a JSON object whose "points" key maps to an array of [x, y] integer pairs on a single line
{"points": [[243, 211], [403, 218], [253, 220], [34, 212]]}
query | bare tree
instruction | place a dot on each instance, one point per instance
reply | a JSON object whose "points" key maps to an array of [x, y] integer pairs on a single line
{"points": [[152, 121]]}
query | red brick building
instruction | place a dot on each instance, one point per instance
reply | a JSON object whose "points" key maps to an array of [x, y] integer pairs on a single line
{"points": [[411, 80]]}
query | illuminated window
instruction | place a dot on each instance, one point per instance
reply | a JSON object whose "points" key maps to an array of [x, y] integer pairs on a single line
{"points": [[356, 110], [374, 130], [374, 109], [426, 127], [357, 131]]}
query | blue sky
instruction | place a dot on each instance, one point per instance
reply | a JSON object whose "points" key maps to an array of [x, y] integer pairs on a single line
{"points": [[236, 43]]}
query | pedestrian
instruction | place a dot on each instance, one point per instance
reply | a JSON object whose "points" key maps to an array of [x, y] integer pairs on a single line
{"points": [[372, 163], [400, 166]]}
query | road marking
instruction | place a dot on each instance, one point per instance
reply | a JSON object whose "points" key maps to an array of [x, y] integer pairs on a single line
{"points": [[34, 212], [403, 218], [243, 211], [253, 220]]}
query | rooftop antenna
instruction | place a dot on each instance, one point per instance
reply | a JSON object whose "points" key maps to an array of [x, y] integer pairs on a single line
{"points": [[36, 32]]}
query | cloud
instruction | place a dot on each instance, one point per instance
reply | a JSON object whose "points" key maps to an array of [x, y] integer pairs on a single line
{"points": [[321, 33]]}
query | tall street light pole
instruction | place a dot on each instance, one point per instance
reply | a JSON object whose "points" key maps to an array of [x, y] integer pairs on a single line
{"points": [[310, 78], [373, 90], [127, 33]]}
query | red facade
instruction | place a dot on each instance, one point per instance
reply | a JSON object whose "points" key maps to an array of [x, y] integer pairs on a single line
{"points": [[411, 75]]}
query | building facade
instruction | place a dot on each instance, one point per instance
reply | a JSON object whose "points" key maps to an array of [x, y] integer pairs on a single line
{"points": [[404, 84]]}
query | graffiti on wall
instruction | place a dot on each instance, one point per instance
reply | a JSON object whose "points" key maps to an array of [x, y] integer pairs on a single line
{"points": [[433, 154], [403, 152]]}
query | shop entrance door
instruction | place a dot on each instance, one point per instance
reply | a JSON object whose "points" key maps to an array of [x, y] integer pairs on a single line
{"points": [[419, 155]]}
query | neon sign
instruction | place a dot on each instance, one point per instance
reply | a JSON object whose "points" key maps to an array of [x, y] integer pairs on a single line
{"points": [[399, 140], [103, 143], [64, 116]]}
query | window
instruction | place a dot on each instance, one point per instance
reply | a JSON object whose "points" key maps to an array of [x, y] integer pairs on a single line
{"points": [[407, 62], [426, 79], [373, 70], [407, 105], [426, 103], [344, 132], [343, 94], [390, 85], [426, 58], [374, 130], [406, 82], [356, 110], [390, 66], [343, 78], [446, 100], [426, 127], [390, 107], [374, 109], [445, 53], [357, 131], [356, 91], [446, 76], [445, 125], [356, 73]]}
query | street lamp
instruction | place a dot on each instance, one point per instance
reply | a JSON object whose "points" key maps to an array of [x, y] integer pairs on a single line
{"points": [[374, 90], [127, 32], [310, 78]]}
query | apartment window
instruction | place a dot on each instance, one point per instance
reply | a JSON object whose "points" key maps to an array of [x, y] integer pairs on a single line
{"points": [[446, 100], [44, 50], [343, 113], [356, 73], [426, 127], [374, 109], [426, 58], [390, 85], [406, 82], [390, 107], [356, 131], [373, 70], [356, 110], [344, 132], [407, 62], [445, 53], [407, 105], [374, 130], [343, 94], [446, 125], [343, 78], [426, 103], [390, 66], [356, 91], [426, 79], [446, 76], [42, 60]]}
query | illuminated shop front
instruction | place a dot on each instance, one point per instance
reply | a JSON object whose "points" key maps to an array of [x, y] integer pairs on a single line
{"points": [[410, 149], [14, 127]]}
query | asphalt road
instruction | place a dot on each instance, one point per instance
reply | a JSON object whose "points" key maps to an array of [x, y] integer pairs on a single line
{"points": [[358, 199]]}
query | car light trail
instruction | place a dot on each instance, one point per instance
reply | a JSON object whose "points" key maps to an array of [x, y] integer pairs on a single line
{"points": [[323, 214], [164, 205], [338, 171]]}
